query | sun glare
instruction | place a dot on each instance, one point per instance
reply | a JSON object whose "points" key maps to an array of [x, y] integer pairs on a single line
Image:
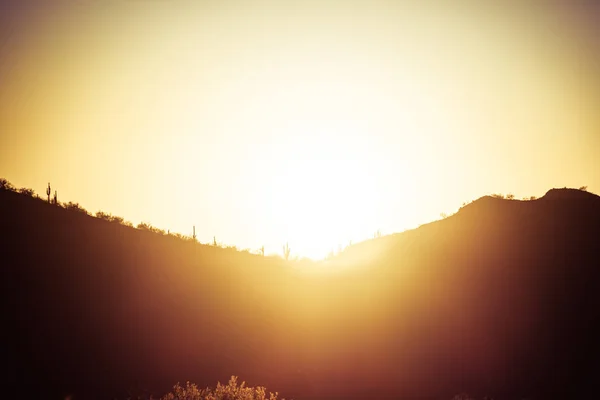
{"points": [[269, 124], [313, 158], [325, 199]]}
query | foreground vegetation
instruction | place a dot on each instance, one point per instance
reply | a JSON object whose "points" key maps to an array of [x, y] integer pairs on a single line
{"points": [[233, 391]]}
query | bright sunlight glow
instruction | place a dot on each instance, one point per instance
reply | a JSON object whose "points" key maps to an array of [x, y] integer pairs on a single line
{"points": [[308, 123]]}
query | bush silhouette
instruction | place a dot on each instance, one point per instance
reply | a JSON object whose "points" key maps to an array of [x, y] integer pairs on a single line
{"points": [[27, 192], [103, 215], [231, 391], [6, 185], [148, 227], [75, 207], [144, 226]]}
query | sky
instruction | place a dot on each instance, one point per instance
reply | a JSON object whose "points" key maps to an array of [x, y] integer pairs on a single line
{"points": [[308, 122]]}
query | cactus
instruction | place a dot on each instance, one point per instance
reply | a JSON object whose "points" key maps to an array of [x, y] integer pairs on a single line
{"points": [[55, 197], [215, 241], [48, 191], [286, 252], [262, 251], [194, 233]]}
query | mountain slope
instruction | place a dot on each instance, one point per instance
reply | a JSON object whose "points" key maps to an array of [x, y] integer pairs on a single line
{"points": [[500, 298]]}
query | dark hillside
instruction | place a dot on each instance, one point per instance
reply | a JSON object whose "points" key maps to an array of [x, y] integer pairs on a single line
{"points": [[96, 305], [500, 299]]}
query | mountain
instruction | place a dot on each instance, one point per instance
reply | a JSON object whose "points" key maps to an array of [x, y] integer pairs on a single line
{"points": [[500, 299]]}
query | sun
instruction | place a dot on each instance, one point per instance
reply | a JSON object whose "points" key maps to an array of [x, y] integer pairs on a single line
{"points": [[296, 151], [325, 196]]}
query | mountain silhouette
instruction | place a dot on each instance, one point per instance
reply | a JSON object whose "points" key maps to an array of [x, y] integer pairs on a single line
{"points": [[498, 299]]}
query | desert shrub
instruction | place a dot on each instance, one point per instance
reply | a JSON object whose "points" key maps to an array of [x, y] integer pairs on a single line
{"points": [[6, 185], [75, 207], [116, 219], [158, 230], [498, 195], [231, 391], [120, 220], [103, 215], [27, 191], [148, 227], [144, 226], [113, 218]]}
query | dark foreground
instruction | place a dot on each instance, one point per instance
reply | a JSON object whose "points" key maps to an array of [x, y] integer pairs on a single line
{"points": [[499, 299]]}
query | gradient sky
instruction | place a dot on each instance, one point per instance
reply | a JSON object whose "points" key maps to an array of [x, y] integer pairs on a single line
{"points": [[308, 122]]}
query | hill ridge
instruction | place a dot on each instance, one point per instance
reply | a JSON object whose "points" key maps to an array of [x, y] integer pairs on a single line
{"points": [[499, 299]]}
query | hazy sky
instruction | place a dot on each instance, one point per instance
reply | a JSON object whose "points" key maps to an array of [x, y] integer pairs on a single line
{"points": [[311, 122]]}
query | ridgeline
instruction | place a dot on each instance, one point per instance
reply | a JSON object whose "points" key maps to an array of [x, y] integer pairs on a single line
{"points": [[500, 299]]}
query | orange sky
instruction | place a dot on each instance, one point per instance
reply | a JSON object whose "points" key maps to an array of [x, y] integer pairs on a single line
{"points": [[312, 123]]}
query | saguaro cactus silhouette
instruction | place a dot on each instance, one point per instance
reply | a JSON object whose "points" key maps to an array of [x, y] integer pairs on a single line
{"points": [[194, 233], [286, 251], [262, 251], [55, 198], [48, 191]]}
